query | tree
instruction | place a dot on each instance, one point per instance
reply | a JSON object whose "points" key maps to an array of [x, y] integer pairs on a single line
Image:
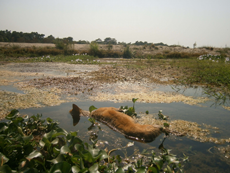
{"points": [[109, 40], [70, 39], [49, 39], [98, 40], [82, 42]]}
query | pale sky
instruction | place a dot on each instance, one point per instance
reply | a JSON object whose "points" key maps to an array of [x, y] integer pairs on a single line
{"points": [[184, 22]]}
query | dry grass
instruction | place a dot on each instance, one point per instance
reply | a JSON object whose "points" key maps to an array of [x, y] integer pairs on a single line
{"points": [[136, 50]]}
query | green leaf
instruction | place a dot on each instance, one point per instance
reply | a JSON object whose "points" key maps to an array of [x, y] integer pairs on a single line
{"points": [[75, 140], [169, 170], [65, 150], [45, 142], [166, 125], [94, 152], [75, 159], [5, 169], [94, 168], [172, 159], [103, 155], [34, 154], [92, 120], [19, 129], [41, 143], [3, 128], [120, 170], [3, 159], [118, 157], [63, 167], [12, 114], [55, 141], [73, 133], [27, 139], [49, 120], [141, 170], [55, 133], [56, 150], [79, 147], [91, 108], [153, 169], [134, 100], [87, 156], [75, 169], [59, 158], [31, 170]]}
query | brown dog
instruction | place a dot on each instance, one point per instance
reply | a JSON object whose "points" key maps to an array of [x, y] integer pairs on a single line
{"points": [[120, 122]]}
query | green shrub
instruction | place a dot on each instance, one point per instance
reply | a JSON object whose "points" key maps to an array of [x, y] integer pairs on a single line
{"points": [[127, 53], [181, 55], [59, 44], [94, 49]]}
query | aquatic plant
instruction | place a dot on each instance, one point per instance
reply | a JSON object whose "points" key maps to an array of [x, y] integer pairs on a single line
{"points": [[30, 144], [130, 110], [213, 58], [161, 116]]}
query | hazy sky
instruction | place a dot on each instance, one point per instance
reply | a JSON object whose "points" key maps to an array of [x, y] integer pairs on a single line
{"points": [[184, 22]]}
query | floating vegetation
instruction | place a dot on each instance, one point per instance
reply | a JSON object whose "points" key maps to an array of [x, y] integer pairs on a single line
{"points": [[150, 97], [213, 58], [226, 107], [192, 130], [32, 98], [225, 151], [7, 77]]}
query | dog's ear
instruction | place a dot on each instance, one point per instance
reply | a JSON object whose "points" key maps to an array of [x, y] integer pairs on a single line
{"points": [[75, 112]]}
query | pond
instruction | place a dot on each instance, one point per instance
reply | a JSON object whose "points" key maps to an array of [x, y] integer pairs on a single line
{"points": [[203, 156], [175, 101]]}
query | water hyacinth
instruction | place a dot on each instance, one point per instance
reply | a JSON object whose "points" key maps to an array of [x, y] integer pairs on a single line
{"points": [[78, 60], [213, 58], [96, 60]]}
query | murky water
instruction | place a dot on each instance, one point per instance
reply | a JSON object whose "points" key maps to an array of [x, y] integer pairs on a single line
{"points": [[204, 157]]}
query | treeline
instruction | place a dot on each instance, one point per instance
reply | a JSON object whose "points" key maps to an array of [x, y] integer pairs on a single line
{"points": [[35, 37]]}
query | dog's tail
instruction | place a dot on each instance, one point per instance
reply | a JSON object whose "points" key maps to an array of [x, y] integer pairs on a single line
{"points": [[76, 112]]}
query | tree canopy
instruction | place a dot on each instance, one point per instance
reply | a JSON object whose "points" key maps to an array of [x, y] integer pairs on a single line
{"points": [[35, 37]]}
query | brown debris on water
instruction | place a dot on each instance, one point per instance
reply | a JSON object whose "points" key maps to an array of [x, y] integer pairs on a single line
{"points": [[32, 98], [226, 107], [149, 97], [193, 130]]}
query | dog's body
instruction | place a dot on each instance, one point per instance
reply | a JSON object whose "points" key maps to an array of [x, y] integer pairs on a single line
{"points": [[121, 122]]}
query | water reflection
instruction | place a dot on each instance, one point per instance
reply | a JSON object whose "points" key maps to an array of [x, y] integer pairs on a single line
{"points": [[217, 96]]}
